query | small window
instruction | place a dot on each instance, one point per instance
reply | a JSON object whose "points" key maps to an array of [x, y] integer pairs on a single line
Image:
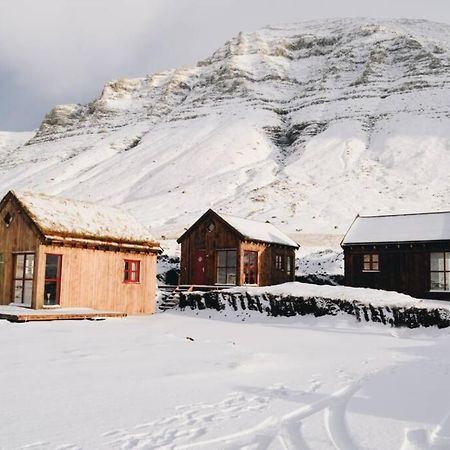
{"points": [[440, 271], [288, 265], [132, 271], [7, 218], [279, 262], [371, 262]]}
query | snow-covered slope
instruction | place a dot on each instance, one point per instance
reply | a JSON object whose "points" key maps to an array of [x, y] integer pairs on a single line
{"points": [[304, 125]]}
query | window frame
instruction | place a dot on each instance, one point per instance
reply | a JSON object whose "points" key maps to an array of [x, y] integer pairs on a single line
{"points": [[127, 273], [23, 278], [445, 271], [56, 280], [245, 266], [226, 267], [8, 219], [279, 262], [374, 266]]}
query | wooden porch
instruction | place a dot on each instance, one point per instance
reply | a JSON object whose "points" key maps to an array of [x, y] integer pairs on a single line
{"points": [[20, 314]]}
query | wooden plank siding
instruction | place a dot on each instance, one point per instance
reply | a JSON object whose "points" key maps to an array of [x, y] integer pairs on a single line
{"points": [[90, 277], [403, 268], [221, 236], [95, 279], [17, 237]]}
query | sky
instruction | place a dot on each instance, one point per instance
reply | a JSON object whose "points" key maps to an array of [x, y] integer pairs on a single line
{"points": [[64, 51]]}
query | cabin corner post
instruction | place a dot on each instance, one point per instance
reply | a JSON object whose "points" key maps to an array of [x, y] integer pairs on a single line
{"points": [[37, 301]]}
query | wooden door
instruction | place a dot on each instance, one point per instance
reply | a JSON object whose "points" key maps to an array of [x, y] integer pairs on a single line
{"points": [[199, 267]]}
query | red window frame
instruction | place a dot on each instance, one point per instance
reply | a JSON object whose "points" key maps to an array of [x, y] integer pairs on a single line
{"points": [[371, 262], [56, 280], [132, 274], [250, 267]]}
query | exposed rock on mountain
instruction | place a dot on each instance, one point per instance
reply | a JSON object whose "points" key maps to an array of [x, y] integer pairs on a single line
{"points": [[303, 124]]}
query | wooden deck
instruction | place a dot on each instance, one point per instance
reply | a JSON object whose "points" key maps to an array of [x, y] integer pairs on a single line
{"points": [[21, 314]]}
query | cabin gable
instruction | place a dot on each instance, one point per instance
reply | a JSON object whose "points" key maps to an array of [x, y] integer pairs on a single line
{"points": [[213, 252]]}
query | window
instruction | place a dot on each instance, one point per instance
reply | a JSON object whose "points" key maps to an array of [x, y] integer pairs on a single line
{"points": [[132, 272], [7, 218], [288, 265], [226, 266], [52, 279], [279, 262], [250, 267], [440, 271], [371, 262], [23, 278]]}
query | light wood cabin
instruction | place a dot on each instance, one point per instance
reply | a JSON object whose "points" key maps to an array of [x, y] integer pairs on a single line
{"points": [[63, 253], [223, 250]]}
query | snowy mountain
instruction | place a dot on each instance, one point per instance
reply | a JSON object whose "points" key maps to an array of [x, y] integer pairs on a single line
{"points": [[303, 124]]}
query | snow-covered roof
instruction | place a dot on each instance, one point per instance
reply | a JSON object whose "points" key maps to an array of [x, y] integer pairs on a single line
{"points": [[56, 216], [258, 231], [399, 228]]}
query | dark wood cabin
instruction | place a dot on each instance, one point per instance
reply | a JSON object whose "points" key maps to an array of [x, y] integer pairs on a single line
{"points": [[56, 252], [224, 250], [407, 253]]}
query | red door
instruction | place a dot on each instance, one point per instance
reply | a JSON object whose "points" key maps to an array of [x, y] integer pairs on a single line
{"points": [[199, 267]]}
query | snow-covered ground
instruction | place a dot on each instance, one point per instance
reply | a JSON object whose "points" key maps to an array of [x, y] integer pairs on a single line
{"points": [[172, 380]]}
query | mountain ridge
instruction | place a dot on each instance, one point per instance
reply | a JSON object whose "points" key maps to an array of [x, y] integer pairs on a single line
{"points": [[302, 124]]}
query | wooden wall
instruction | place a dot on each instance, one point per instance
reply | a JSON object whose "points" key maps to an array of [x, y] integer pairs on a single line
{"points": [[403, 268], [224, 237], [281, 276], [17, 237], [94, 279]]}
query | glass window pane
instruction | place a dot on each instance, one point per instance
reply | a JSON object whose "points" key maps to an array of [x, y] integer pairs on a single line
{"points": [[231, 278], [51, 266], [437, 281], [375, 265], [20, 261], [447, 261], [366, 265], [18, 288], [366, 258], [375, 257], [29, 266], [28, 291], [50, 293], [231, 258], [221, 258], [221, 276], [447, 281], [246, 257], [437, 261]]}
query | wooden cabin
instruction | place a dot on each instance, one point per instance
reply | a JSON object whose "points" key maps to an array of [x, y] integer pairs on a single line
{"points": [[223, 250], [407, 253], [63, 253]]}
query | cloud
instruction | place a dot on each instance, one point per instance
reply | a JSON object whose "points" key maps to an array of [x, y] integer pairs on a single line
{"points": [[54, 51]]}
